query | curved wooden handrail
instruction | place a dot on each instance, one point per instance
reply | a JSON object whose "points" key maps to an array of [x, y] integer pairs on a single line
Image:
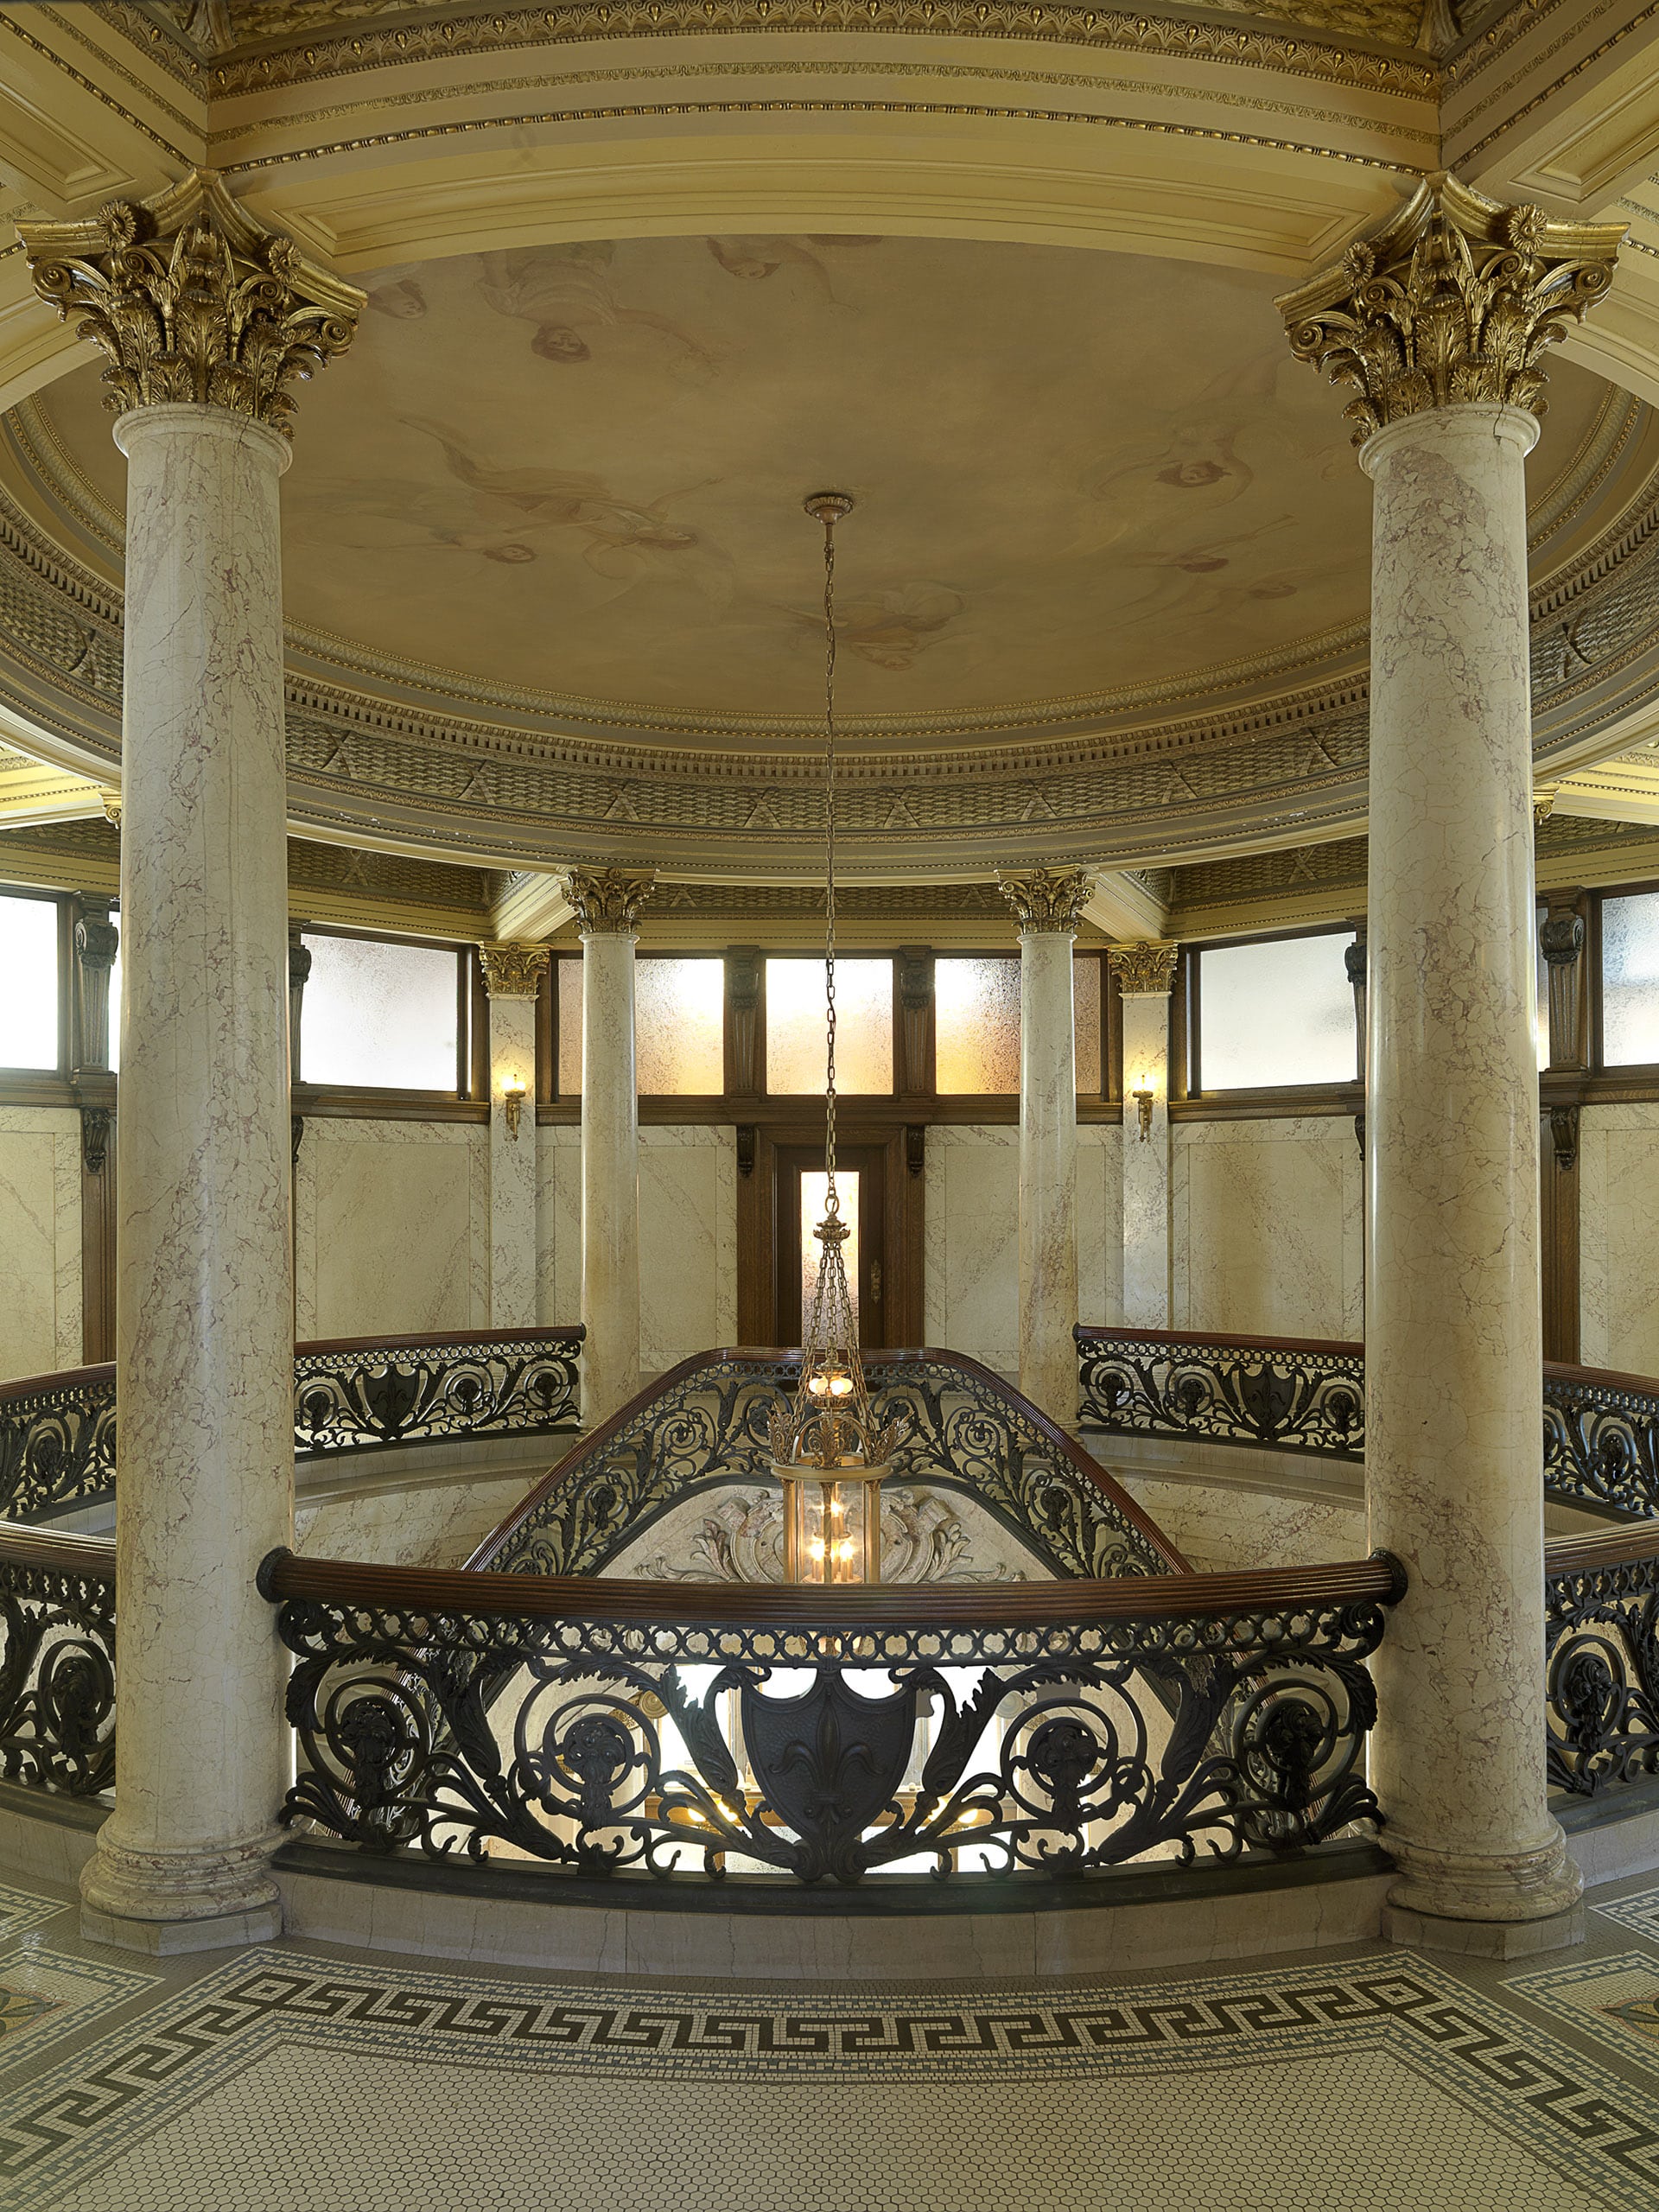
{"points": [[91, 1556], [1625, 1546], [910, 1606], [596, 1441], [1090, 1332]]}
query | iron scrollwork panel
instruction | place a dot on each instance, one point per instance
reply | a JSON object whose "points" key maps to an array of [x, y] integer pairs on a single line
{"points": [[1285, 1399], [676, 1750], [1601, 1644], [345, 1400], [1601, 1452], [57, 1679], [57, 1447]]}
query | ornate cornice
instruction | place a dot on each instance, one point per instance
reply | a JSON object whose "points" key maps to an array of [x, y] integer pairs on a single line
{"points": [[192, 301], [1452, 300], [1047, 900], [607, 900], [1143, 971], [512, 970]]}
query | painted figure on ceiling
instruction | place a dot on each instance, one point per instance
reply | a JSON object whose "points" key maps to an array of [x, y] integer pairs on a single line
{"points": [[569, 293], [754, 259]]}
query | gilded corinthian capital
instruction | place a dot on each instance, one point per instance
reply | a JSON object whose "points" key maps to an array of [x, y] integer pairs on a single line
{"points": [[1143, 971], [1047, 898], [1452, 300], [192, 301], [512, 970], [607, 900]]}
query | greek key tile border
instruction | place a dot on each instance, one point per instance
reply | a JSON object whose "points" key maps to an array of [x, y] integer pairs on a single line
{"points": [[81, 1991], [1573, 2115], [22, 1909], [1639, 1913], [1577, 1996]]}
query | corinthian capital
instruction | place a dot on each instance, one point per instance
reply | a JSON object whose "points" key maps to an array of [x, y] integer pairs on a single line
{"points": [[192, 301], [607, 900], [512, 970], [1143, 971], [1452, 300], [1047, 898]]}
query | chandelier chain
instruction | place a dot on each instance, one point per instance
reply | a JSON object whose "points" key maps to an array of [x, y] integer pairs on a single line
{"points": [[832, 1203]]}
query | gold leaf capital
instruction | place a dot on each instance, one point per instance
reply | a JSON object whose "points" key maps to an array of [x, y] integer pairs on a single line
{"points": [[1046, 899], [514, 970], [1143, 971], [607, 900], [1451, 303], [193, 302]]}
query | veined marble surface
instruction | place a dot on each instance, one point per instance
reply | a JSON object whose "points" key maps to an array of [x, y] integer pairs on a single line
{"points": [[688, 1242], [392, 1227], [1048, 1173], [971, 1292], [1618, 1238], [558, 1225], [1225, 1529], [1100, 1223], [512, 1165], [39, 1237], [1266, 1224], [1147, 1284], [610, 1176]]}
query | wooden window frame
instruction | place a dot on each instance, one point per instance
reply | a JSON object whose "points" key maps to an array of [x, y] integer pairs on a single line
{"points": [[469, 1100], [1188, 1099]]}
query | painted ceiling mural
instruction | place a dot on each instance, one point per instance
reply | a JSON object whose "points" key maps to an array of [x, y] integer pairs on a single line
{"points": [[577, 470]]}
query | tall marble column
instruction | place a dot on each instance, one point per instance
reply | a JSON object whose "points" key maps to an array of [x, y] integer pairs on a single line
{"points": [[1145, 974], [513, 975], [205, 319], [1048, 903], [607, 903], [1439, 320]]}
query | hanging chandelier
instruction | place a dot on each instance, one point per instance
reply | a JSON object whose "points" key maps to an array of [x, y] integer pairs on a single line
{"points": [[829, 1451]]}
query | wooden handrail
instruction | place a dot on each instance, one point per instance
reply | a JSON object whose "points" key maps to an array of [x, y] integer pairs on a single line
{"points": [[1636, 1540], [91, 1556], [910, 1606], [1092, 1332]]}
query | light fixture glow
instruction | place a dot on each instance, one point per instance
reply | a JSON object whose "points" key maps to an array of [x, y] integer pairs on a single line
{"points": [[512, 1100]]}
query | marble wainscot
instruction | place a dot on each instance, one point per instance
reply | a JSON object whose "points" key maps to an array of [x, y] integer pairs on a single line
{"points": [[1267, 1227], [971, 1301], [1618, 1238], [40, 1238], [393, 1228]]}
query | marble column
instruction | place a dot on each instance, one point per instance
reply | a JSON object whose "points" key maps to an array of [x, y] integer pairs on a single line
{"points": [[513, 975], [204, 1347], [1145, 974], [1048, 903], [1453, 1405], [608, 902]]}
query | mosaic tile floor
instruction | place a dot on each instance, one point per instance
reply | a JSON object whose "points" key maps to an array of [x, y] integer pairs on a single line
{"points": [[303, 2076]]}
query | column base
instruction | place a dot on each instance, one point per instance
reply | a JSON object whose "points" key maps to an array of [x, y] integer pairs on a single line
{"points": [[1492, 1889], [163, 1902], [1483, 1939]]}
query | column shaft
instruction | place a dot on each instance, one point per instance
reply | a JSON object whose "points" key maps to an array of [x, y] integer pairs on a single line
{"points": [[1048, 1174], [203, 1350], [1454, 1478], [512, 1164], [1145, 1162], [610, 1175]]}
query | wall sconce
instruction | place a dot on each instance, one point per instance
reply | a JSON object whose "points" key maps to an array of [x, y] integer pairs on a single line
{"points": [[1144, 1097], [512, 1097]]}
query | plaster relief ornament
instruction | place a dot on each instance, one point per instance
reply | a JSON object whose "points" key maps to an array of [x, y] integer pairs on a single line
{"points": [[192, 301], [514, 970], [1143, 971], [1047, 898], [1451, 303], [608, 899]]}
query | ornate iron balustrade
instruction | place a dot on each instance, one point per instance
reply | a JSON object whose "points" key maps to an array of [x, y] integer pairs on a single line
{"points": [[1037, 1729], [58, 1432], [1601, 1645], [705, 1422], [1601, 1430], [57, 1661]]}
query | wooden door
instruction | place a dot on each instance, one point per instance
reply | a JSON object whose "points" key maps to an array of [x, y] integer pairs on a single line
{"points": [[861, 1180]]}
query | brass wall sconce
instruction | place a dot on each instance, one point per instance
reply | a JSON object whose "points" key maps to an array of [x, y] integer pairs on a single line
{"points": [[512, 1097], [1143, 1098]]}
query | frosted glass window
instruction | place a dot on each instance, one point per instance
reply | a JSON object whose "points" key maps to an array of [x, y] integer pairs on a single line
{"points": [[1629, 979], [1275, 1013], [569, 976], [795, 1026], [1541, 1018], [28, 983], [977, 1025], [1085, 999], [679, 1017], [814, 1191], [378, 1014]]}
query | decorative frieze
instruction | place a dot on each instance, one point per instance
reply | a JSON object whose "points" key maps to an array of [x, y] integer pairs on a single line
{"points": [[513, 970], [1451, 301], [193, 302], [608, 900], [1143, 971], [1047, 898]]}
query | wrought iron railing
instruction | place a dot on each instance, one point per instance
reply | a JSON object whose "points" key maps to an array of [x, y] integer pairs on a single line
{"points": [[57, 1661], [1601, 1641], [704, 1423], [58, 1432], [1601, 1430], [1051, 1729]]}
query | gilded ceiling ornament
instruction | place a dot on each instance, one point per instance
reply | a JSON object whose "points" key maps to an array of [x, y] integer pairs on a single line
{"points": [[512, 970], [1143, 971], [1452, 301], [1047, 898], [192, 301], [607, 899]]}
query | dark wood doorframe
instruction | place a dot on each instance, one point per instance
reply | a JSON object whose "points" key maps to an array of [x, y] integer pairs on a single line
{"points": [[869, 1162], [765, 1248]]}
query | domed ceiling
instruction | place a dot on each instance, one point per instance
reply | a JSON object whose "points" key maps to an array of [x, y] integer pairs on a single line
{"points": [[575, 473]]}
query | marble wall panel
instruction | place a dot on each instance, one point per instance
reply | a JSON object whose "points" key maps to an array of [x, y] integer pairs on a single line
{"points": [[1100, 1224], [688, 1242], [1618, 1238], [40, 1239], [1227, 1530], [391, 1228], [412, 1524], [558, 1226], [1265, 1227], [972, 1281]]}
